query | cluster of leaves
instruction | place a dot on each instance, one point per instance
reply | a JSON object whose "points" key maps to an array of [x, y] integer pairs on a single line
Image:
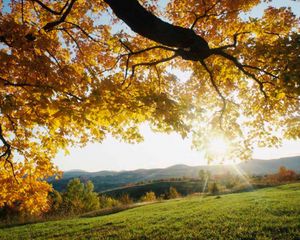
{"points": [[68, 78]]}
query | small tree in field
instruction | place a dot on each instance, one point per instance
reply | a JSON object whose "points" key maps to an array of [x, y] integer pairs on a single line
{"points": [[173, 193], [125, 199], [108, 202], [214, 189], [148, 197], [80, 197], [90, 198]]}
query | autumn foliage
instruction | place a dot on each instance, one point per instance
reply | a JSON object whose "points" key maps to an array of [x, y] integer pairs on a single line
{"points": [[283, 175], [70, 74], [148, 197]]}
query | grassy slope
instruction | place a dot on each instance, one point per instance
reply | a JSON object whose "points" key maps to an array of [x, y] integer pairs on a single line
{"points": [[272, 213]]}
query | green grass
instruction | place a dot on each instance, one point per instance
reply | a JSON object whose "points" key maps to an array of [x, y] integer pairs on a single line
{"points": [[271, 213]]}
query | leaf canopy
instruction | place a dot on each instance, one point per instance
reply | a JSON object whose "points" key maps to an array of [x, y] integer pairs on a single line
{"points": [[71, 73]]}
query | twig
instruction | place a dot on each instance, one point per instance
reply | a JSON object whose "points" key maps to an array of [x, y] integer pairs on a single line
{"points": [[211, 77], [153, 63], [241, 67], [45, 7], [50, 25]]}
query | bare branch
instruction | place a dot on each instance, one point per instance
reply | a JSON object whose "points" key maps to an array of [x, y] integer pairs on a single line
{"points": [[22, 10], [205, 14], [125, 46], [131, 53], [83, 31], [234, 44], [146, 24], [7, 153], [50, 25], [153, 63], [74, 40], [23, 85], [211, 78], [241, 67], [261, 70]]}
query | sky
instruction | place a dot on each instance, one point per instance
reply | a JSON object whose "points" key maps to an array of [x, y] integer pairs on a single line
{"points": [[159, 150]]}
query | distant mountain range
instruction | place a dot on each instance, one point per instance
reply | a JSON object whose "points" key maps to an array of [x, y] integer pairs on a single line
{"points": [[104, 180]]}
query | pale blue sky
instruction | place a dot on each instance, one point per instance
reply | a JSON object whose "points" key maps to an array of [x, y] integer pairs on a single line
{"points": [[158, 149]]}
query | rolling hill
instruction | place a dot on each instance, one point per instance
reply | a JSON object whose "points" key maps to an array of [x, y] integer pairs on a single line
{"points": [[270, 213], [105, 180]]}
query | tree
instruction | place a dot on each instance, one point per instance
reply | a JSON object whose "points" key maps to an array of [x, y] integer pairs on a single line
{"points": [[285, 174], [56, 201], [69, 78], [90, 198], [80, 197], [214, 189], [108, 202], [172, 193], [201, 175], [148, 197], [125, 199]]}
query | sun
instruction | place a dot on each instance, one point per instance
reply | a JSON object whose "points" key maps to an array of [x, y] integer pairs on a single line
{"points": [[217, 146], [218, 149]]}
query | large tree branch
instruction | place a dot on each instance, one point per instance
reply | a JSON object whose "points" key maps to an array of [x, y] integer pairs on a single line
{"points": [[190, 46], [41, 86]]}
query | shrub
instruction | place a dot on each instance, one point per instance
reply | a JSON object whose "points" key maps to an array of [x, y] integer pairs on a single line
{"points": [[108, 202], [148, 197], [214, 189], [172, 193], [125, 199], [80, 197]]}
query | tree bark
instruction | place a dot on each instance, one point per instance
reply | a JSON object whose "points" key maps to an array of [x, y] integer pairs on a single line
{"points": [[189, 45]]}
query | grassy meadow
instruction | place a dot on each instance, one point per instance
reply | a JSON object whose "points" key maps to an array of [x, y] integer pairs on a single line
{"points": [[271, 213]]}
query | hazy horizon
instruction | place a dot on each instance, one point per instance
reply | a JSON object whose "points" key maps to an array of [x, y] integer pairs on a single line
{"points": [[159, 150], [81, 170]]}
